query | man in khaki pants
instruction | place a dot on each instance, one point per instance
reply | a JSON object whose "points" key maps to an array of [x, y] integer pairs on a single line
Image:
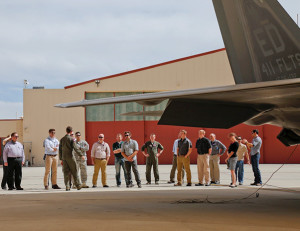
{"points": [[184, 151], [51, 145], [100, 155], [204, 150], [218, 149]]}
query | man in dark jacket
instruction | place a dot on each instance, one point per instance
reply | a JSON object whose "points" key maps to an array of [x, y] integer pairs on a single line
{"points": [[68, 161]]}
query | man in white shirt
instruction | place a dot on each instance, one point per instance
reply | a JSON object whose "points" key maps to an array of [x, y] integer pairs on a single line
{"points": [[174, 162], [100, 155], [51, 159]]}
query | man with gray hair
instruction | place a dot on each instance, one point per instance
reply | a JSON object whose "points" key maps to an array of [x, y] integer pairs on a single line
{"points": [[204, 150], [218, 149]]}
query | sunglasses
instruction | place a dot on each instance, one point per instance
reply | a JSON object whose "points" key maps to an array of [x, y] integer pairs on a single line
{"points": [[16, 136], [126, 135], [100, 137]]}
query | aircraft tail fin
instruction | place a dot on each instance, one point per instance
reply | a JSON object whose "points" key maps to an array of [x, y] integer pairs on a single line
{"points": [[261, 40]]}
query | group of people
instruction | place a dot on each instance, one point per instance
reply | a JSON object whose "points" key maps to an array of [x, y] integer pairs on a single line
{"points": [[71, 151]]}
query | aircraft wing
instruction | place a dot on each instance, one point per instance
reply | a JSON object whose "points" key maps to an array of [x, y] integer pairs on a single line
{"points": [[218, 107]]}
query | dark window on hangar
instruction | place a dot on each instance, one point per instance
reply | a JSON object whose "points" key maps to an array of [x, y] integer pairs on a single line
{"points": [[113, 112]]}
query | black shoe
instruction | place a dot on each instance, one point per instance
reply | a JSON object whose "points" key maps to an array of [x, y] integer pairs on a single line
{"points": [[94, 186], [212, 182], [156, 182], [199, 184], [20, 188], [10, 188], [171, 182], [4, 188], [129, 185], [188, 184], [148, 182], [55, 186], [207, 184], [105, 186], [253, 183], [139, 185]]}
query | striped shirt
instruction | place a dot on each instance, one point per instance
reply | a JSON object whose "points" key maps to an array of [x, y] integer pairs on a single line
{"points": [[13, 149]]}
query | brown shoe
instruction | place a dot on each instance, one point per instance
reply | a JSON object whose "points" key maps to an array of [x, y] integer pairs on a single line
{"points": [[46, 187], [177, 184], [79, 187]]}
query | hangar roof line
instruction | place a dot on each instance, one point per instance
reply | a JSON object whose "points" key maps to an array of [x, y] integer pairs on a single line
{"points": [[146, 68]]}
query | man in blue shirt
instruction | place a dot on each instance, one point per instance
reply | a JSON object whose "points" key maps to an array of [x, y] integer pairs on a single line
{"points": [[255, 156], [218, 149], [51, 161], [129, 150]]}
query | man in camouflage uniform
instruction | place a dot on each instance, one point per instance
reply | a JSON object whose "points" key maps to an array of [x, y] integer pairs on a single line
{"points": [[81, 159], [68, 161], [152, 157]]}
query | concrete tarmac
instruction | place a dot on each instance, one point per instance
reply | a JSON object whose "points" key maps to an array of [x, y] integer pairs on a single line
{"points": [[155, 207]]}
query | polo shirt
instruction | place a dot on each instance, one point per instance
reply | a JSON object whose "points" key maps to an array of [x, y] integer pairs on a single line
{"points": [[203, 145], [184, 146]]}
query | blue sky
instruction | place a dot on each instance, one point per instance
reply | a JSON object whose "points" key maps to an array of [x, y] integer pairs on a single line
{"points": [[58, 43]]}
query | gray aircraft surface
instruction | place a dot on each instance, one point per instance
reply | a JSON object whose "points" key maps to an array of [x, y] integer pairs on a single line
{"points": [[263, 48]]}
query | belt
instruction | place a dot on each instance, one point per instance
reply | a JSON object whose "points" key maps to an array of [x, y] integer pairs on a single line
{"points": [[50, 155], [100, 158], [13, 158]]}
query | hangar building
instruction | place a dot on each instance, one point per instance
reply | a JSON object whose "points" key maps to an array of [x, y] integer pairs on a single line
{"points": [[208, 69]]}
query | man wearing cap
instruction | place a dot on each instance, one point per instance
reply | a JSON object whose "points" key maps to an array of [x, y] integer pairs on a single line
{"points": [[83, 146], [14, 158], [129, 151], [51, 160], [68, 161], [152, 156], [255, 156], [100, 155]]}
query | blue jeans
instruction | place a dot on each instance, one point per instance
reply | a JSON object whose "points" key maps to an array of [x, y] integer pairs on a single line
{"points": [[120, 161], [255, 167], [239, 171]]}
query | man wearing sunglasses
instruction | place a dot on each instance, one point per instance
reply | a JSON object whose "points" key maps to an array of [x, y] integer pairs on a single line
{"points": [[51, 160], [13, 157], [129, 150], [100, 155]]}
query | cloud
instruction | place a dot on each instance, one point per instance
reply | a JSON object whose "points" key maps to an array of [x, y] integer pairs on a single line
{"points": [[11, 110], [58, 43]]}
